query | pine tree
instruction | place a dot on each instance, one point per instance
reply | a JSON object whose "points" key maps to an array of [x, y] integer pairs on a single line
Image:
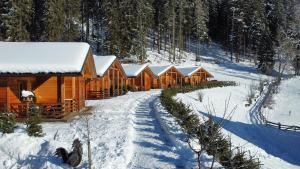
{"points": [[200, 21], [33, 122], [88, 9], [5, 7], [55, 20], [38, 13], [72, 20], [144, 13], [18, 21], [7, 122], [159, 23]]}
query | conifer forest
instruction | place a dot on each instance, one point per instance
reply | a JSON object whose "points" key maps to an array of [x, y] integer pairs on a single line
{"points": [[259, 30]]}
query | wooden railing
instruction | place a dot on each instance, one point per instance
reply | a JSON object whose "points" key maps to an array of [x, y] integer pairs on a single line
{"points": [[52, 110], [101, 94], [71, 105], [282, 126], [56, 111]]}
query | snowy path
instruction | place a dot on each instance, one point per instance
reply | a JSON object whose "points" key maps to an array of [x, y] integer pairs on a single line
{"points": [[152, 148]]}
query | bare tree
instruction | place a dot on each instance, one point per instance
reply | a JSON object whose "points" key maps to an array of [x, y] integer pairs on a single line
{"points": [[84, 122]]}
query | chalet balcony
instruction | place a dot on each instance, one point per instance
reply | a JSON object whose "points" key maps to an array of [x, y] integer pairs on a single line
{"points": [[48, 111]]}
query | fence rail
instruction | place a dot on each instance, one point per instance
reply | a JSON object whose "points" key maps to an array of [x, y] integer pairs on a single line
{"points": [[282, 126], [270, 123]]}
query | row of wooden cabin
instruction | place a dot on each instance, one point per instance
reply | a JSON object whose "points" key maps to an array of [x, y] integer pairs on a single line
{"points": [[63, 75]]}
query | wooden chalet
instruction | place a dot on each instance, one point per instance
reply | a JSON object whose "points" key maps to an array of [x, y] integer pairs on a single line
{"points": [[139, 76], [194, 75], [110, 80], [54, 72], [166, 76]]}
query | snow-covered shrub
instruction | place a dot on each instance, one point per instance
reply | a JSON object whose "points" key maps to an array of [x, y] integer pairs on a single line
{"points": [[240, 160], [261, 85], [200, 96], [7, 122], [204, 137], [251, 94], [124, 90], [131, 88], [33, 122]]}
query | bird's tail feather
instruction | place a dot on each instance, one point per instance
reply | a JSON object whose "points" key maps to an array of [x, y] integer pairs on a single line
{"points": [[61, 152]]}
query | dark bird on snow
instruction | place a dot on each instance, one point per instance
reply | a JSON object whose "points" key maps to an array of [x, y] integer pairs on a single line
{"points": [[74, 157]]}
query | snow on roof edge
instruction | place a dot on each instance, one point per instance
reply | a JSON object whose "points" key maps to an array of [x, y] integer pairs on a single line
{"points": [[189, 73], [102, 63], [133, 70], [157, 72]]}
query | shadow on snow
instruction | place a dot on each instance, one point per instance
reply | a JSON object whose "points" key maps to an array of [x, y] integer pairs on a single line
{"points": [[281, 144]]}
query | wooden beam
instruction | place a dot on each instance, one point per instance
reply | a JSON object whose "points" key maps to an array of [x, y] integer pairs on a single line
{"points": [[102, 81], [74, 87], [61, 87], [118, 82]]}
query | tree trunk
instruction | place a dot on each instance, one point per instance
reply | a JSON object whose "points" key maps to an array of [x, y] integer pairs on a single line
{"points": [[173, 31], [159, 39]]}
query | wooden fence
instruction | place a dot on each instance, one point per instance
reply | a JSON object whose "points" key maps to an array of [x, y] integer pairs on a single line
{"points": [[272, 124], [282, 126]]}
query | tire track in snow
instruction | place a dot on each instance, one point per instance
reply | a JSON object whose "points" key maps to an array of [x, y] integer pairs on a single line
{"points": [[152, 149]]}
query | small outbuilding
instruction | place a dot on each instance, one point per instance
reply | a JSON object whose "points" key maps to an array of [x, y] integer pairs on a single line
{"points": [[166, 76], [139, 76], [194, 75], [49, 74], [110, 80]]}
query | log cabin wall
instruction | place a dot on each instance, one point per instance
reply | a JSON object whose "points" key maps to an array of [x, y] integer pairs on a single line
{"points": [[148, 77], [197, 77], [170, 78], [68, 91], [117, 78], [108, 85], [143, 81]]}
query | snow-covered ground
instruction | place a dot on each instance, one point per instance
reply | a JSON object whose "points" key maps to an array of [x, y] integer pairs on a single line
{"points": [[274, 148], [286, 108], [112, 137], [134, 131]]}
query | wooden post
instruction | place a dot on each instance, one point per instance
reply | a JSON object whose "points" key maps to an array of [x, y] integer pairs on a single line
{"points": [[74, 87], [103, 92], [109, 82], [7, 98], [113, 83], [176, 80], [118, 82], [8, 94], [141, 84], [61, 88]]}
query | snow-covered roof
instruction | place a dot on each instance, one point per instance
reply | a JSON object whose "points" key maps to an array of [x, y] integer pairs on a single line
{"points": [[133, 70], [188, 71], [158, 70], [103, 62], [42, 57]]}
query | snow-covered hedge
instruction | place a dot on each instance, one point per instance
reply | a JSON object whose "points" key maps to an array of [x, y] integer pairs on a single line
{"points": [[207, 134]]}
